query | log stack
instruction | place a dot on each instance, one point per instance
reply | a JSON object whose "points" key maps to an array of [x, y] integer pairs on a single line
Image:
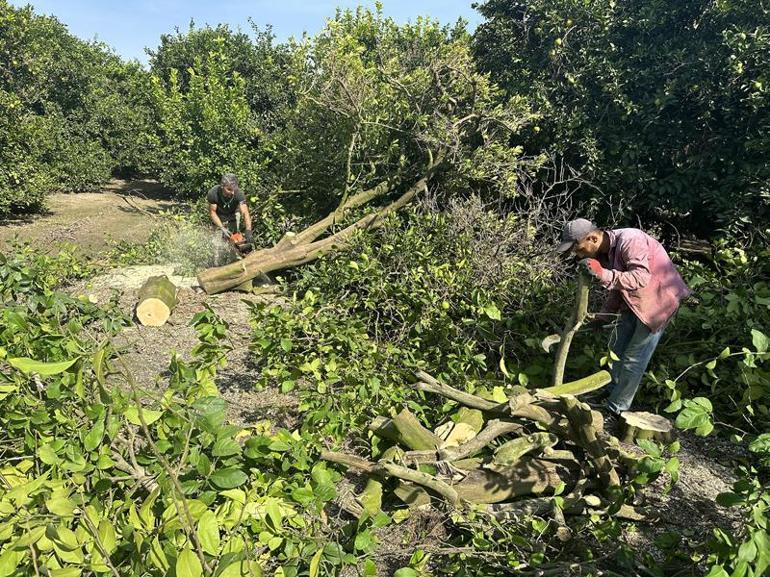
{"points": [[506, 458]]}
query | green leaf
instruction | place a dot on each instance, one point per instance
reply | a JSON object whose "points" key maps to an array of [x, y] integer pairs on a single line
{"points": [[718, 571], [98, 363], [405, 572], [315, 562], [760, 340], [208, 533], [107, 536], [492, 312], [9, 561], [273, 510], [46, 454], [242, 569], [370, 568], [188, 565], [157, 556], [762, 541], [229, 478], [61, 506], [747, 551], [729, 499], [761, 444], [66, 572], [226, 447], [649, 447], [27, 365], [29, 538], [94, 437], [150, 416]]}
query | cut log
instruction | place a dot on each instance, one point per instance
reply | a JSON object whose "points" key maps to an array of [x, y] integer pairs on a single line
{"points": [[511, 452], [494, 429], [581, 386], [384, 428], [157, 298], [528, 477], [467, 424], [429, 384], [413, 434], [576, 320], [411, 494], [371, 497], [584, 434], [641, 425]]}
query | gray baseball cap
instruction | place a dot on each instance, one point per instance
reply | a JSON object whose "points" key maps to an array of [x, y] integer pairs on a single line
{"points": [[573, 231]]}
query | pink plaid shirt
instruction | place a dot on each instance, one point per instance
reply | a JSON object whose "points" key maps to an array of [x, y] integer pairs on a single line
{"points": [[639, 273]]}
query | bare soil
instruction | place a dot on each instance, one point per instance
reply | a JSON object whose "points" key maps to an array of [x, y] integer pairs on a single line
{"points": [[121, 211]]}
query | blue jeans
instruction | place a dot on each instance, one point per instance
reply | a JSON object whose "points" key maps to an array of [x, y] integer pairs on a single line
{"points": [[634, 344]]}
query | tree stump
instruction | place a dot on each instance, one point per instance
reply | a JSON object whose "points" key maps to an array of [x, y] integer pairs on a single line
{"points": [[157, 298], [643, 425]]}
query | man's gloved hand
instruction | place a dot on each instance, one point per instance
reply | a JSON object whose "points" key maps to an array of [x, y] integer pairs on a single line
{"points": [[249, 236], [592, 267], [225, 232]]}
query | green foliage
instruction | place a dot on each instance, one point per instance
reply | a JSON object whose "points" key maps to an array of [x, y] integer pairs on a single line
{"points": [[746, 552], [383, 100], [422, 292], [662, 105], [259, 61], [102, 477], [70, 111], [206, 128]]}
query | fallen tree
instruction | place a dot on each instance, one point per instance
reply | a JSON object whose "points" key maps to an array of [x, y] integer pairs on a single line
{"points": [[296, 249]]}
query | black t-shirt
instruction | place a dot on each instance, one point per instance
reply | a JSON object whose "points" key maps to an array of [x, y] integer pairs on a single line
{"points": [[226, 207]]}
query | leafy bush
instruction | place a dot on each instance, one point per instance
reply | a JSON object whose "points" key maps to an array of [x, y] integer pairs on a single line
{"points": [[99, 476], [662, 105]]}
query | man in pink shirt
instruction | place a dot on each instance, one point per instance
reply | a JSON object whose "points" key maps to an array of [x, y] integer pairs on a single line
{"points": [[644, 288]]}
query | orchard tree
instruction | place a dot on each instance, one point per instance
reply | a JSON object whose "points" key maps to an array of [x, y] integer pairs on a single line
{"points": [[664, 105]]}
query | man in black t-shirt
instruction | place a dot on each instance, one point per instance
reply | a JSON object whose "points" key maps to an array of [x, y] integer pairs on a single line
{"points": [[226, 200]]}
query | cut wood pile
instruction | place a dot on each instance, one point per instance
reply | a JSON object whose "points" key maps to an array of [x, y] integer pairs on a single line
{"points": [[506, 458]]}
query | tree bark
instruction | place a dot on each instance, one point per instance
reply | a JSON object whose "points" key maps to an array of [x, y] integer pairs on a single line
{"points": [[157, 298]]}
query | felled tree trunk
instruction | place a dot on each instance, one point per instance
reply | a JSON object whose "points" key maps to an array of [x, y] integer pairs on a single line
{"points": [[157, 298], [296, 249]]}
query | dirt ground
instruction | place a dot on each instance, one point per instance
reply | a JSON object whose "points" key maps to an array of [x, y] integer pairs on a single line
{"points": [[123, 210]]}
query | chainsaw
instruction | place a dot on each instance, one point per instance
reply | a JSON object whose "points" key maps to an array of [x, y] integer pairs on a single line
{"points": [[239, 243]]}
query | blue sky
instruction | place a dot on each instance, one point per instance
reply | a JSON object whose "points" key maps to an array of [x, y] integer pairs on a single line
{"points": [[130, 26]]}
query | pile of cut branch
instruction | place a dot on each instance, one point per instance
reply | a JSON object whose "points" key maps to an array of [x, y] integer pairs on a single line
{"points": [[508, 458]]}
